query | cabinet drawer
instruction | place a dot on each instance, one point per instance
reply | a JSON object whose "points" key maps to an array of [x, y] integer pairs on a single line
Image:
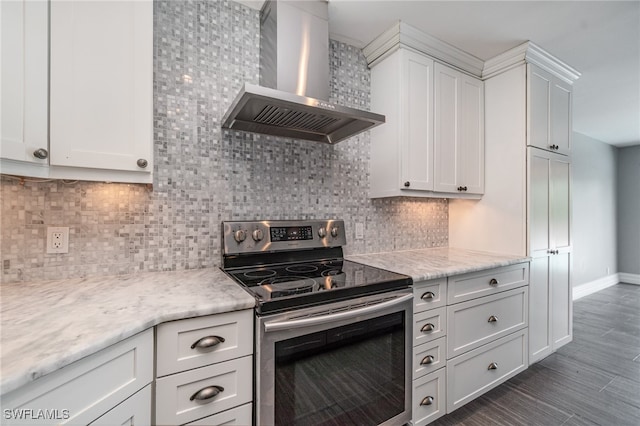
{"points": [[429, 325], [474, 323], [240, 416], [472, 374], [176, 350], [429, 295], [429, 357], [173, 393], [483, 283], [86, 389], [429, 398]]}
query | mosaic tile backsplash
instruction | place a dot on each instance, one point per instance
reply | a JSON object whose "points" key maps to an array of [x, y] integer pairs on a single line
{"points": [[203, 52]]}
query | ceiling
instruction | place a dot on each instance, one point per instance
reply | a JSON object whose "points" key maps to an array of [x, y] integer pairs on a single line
{"points": [[601, 39]]}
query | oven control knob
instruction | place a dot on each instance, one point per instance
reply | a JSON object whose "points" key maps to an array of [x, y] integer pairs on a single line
{"points": [[334, 231], [322, 232], [257, 235], [240, 235]]}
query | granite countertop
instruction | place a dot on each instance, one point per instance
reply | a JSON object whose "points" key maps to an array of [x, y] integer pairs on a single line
{"points": [[47, 325], [431, 263]]}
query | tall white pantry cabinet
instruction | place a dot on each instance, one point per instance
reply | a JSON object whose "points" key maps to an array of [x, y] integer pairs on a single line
{"points": [[526, 206]]}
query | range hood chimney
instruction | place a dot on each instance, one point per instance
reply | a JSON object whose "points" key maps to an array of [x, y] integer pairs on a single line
{"points": [[291, 100]]}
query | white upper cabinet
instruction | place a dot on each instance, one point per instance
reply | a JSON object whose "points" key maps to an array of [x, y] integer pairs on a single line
{"points": [[88, 67], [459, 132], [402, 149], [24, 77], [550, 111], [432, 144], [101, 84]]}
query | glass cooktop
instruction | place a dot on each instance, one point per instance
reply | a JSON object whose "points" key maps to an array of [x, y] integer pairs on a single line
{"points": [[297, 285]]}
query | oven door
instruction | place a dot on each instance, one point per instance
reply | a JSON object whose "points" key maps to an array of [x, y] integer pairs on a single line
{"points": [[340, 363]]}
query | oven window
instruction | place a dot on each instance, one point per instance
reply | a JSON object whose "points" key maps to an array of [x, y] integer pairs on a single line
{"points": [[353, 374]]}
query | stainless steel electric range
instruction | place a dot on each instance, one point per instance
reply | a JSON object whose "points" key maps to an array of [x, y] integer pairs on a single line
{"points": [[333, 337]]}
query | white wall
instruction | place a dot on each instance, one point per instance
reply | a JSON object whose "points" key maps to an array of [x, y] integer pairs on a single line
{"points": [[629, 210], [594, 209]]}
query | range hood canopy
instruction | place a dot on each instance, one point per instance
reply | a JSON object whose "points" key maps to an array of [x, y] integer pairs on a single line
{"points": [[294, 80]]}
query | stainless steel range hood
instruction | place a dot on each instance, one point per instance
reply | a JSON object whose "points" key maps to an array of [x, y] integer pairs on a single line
{"points": [[294, 80]]}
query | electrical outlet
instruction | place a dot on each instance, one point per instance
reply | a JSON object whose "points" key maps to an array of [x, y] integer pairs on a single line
{"points": [[57, 239], [359, 231]]}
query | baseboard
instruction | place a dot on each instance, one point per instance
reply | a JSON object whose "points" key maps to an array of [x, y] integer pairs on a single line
{"points": [[629, 278], [595, 286]]}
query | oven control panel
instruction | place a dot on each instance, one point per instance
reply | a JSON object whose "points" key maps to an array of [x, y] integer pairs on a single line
{"points": [[242, 237]]}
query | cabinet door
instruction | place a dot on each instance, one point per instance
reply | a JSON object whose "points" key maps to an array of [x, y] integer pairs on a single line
{"points": [[101, 84], [560, 202], [550, 109], [459, 132], [539, 107], [561, 303], [447, 137], [540, 344], [24, 87], [561, 112], [417, 124], [471, 132]]}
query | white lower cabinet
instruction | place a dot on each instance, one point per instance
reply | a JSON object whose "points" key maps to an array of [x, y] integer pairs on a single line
{"points": [[205, 370], [85, 390], [470, 335]]}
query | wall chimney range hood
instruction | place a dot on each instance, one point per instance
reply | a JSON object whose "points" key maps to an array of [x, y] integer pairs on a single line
{"points": [[294, 80]]}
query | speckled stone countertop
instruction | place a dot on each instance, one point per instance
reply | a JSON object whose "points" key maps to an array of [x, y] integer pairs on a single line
{"points": [[428, 264], [47, 325]]}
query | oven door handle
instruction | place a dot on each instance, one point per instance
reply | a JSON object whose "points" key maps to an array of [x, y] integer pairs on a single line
{"points": [[337, 316]]}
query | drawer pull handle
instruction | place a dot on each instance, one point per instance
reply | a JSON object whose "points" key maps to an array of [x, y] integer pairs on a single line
{"points": [[206, 393], [207, 342], [427, 327], [427, 360], [493, 366], [494, 282], [428, 296], [427, 401], [493, 318]]}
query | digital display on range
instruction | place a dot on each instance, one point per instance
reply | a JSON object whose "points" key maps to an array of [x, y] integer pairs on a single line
{"points": [[291, 233]]}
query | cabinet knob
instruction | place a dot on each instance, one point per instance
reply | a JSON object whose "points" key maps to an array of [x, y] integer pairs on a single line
{"points": [[493, 366], [427, 360], [427, 327], [407, 184], [142, 163], [207, 393], [41, 153], [427, 401], [207, 342], [494, 281], [428, 296], [493, 318]]}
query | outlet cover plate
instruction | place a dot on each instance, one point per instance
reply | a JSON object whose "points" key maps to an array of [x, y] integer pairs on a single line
{"points": [[57, 239]]}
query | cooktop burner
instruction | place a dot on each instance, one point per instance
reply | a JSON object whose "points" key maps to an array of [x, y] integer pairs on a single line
{"points": [[278, 287]]}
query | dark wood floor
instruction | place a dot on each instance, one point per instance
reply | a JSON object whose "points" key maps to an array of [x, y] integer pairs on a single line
{"points": [[594, 380]]}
